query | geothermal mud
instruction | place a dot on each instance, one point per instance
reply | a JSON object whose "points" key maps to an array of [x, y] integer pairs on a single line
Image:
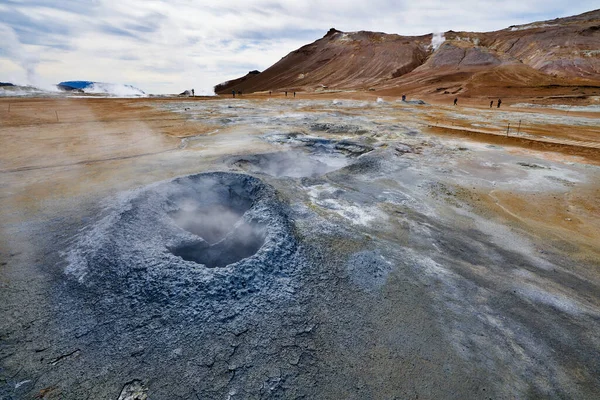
{"points": [[316, 249]]}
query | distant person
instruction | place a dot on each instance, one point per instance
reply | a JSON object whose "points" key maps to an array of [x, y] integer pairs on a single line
{"points": [[233, 93], [269, 92], [294, 94], [403, 97], [286, 93], [455, 100], [193, 94], [239, 92], [499, 102], [491, 103]]}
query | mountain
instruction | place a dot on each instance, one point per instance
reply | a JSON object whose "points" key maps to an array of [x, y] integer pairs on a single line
{"points": [[559, 55], [226, 87]]}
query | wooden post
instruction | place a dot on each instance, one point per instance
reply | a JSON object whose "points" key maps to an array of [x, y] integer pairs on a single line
{"points": [[519, 128], [9, 107], [56, 112], [507, 129]]}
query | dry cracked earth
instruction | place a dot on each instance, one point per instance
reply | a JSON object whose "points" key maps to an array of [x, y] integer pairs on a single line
{"points": [[315, 248]]}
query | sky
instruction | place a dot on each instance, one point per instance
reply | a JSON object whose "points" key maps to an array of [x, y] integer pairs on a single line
{"points": [[168, 46]]}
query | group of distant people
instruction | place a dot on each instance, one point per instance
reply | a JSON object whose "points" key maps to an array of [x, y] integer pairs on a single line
{"points": [[491, 102], [239, 92], [403, 97]]}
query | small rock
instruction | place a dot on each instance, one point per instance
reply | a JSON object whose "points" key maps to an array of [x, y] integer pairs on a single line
{"points": [[403, 148], [134, 390]]}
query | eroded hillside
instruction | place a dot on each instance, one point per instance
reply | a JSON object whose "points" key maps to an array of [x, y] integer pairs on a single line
{"points": [[560, 55]]}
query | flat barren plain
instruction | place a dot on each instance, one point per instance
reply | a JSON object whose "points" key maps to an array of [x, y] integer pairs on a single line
{"points": [[333, 246]]}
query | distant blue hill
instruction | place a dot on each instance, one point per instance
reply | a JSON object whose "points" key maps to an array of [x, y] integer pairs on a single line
{"points": [[71, 85], [6, 84], [110, 89]]}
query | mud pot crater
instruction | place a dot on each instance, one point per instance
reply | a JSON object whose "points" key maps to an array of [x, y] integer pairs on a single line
{"points": [[218, 233], [306, 156], [216, 217]]}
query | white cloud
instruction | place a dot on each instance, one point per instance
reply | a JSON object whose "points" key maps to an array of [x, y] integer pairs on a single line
{"points": [[167, 46]]}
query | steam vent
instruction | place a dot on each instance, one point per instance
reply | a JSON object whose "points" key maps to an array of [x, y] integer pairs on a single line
{"points": [[214, 235], [210, 256]]}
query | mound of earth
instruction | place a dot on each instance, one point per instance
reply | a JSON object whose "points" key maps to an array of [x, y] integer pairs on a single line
{"points": [[195, 226]]}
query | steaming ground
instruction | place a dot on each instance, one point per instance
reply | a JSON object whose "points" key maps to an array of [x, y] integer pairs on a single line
{"points": [[97, 89], [316, 249]]}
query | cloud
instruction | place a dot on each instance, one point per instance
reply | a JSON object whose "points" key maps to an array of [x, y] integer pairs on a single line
{"points": [[166, 46]]}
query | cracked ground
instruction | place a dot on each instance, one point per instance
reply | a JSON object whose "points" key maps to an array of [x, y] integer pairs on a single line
{"points": [[314, 248]]}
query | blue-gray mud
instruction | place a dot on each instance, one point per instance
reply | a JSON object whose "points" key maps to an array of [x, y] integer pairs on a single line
{"points": [[132, 303]]}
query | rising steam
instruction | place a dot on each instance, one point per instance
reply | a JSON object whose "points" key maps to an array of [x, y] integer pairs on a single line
{"points": [[436, 40], [14, 49], [216, 215]]}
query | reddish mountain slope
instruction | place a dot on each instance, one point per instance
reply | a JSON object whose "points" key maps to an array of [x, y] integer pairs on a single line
{"points": [[227, 87], [341, 60], [561, 53]]}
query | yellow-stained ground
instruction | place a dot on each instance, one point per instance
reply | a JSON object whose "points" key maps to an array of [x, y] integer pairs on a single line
{"points": [[59, 150]]}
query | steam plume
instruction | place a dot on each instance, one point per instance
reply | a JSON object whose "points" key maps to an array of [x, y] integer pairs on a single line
{"points": [[436, 40], [14, 49]]}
